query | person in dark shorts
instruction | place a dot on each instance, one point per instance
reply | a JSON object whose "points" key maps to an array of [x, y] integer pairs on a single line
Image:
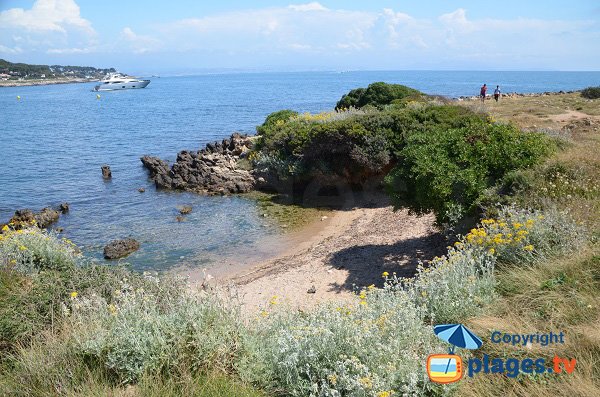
{"points": [[497, 93], [483, 92]]}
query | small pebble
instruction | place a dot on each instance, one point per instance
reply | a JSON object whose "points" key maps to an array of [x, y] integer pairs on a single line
{"points": [[141, 190], [323, 217], [312, 290]]}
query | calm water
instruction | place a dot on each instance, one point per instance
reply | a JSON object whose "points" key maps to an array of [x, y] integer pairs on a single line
{"points": [[54, 140]]}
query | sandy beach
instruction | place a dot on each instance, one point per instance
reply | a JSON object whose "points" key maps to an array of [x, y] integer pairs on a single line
{"points": [[334, 258]]}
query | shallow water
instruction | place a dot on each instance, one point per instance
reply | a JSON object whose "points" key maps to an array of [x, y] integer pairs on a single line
{"points": [[54, 140]]}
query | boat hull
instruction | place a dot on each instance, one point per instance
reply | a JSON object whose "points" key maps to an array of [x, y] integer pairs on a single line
{"points": [[126, 85]]}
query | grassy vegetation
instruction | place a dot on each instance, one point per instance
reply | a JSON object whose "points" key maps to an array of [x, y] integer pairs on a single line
{"points": [[68, 327], [558, 293]]}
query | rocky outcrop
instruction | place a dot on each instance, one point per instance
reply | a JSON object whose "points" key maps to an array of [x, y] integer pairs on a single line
{"points": [[26, 217], [212, 170], [120, 248]]}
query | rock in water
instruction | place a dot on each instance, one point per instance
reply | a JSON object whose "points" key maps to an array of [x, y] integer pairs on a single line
{"points": [[106, 173], [46, 217], [25, 218], [185, 209], [120, 248], [213, 170], [64, 208]]}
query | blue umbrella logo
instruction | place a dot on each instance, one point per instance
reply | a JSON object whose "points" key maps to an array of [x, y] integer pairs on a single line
{"points": [[448, 368], [458, 336]]}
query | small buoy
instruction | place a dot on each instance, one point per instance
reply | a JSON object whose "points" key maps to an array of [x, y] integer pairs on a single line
{"points": [[97, 96], [18, 97]]}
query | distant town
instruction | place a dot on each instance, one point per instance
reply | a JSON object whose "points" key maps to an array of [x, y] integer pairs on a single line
{"points": [[23, 71]]}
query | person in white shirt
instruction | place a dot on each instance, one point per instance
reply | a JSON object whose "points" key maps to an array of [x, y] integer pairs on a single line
{"points": [[497, 93]]}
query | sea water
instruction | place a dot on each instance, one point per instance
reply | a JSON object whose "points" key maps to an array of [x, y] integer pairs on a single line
{"points": [[54, 140]]}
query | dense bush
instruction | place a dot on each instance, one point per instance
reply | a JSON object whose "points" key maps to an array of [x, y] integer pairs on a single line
{"points": [[275, 118], [378, 95], [349, 144], [447, 170], [591, 93]]}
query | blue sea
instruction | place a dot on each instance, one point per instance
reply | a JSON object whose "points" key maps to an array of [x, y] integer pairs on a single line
{"points": [[55, 138]]}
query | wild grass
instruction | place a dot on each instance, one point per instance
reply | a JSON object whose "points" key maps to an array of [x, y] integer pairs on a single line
{"points": [[557, 293]]}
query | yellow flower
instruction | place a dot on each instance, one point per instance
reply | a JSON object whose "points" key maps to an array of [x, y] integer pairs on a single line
{"points": [[529, 222], [528, 247], [364, 303], [517, 225], [22, 248], [385, 274], [264, 313], [332, 379], [492, 251], [502, 224], [274, 300], [371, 287], [112, 309], [387, 393], [73, 294], [366, 382], [362, 295], [5, 228]]}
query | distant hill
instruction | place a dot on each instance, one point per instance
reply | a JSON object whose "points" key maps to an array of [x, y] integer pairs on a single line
{"points": [[27, 71]]}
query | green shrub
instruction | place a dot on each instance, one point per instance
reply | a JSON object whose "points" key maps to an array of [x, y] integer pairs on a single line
{"points": [[378, 95], [275, 118], [33, 250], [350, 144], [591, 93], [373, 345], [138, 332], [447, 170]]}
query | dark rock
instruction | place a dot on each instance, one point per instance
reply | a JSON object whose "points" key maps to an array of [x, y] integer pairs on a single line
{"points": [[64, 208], [212, 170], [25, 218], [185, 209], [106, 173], [120, 248], [59, 229], [46, 217], [312, 290], [180, 218]]}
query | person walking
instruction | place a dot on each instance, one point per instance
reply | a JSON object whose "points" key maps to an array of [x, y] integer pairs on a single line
{"points": [[483, 92], [497, 93]]}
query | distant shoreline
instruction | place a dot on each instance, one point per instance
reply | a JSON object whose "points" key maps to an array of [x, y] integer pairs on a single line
{"points": [[25, 83]]}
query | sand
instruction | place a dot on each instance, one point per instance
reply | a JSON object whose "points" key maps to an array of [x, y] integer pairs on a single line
{"points": [[337, 256]]}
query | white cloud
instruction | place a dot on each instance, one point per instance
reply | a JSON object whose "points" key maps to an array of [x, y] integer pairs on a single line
{"points": [[49, 26], [9, 50], [46, 15], [140, 44], [69, 50], [314, 6]]}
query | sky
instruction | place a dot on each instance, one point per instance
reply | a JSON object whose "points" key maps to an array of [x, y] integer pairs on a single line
{"points": [[155, 36]]}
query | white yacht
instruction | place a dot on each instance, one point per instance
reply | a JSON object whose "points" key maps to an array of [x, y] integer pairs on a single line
{"points": [[118, 81]]}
